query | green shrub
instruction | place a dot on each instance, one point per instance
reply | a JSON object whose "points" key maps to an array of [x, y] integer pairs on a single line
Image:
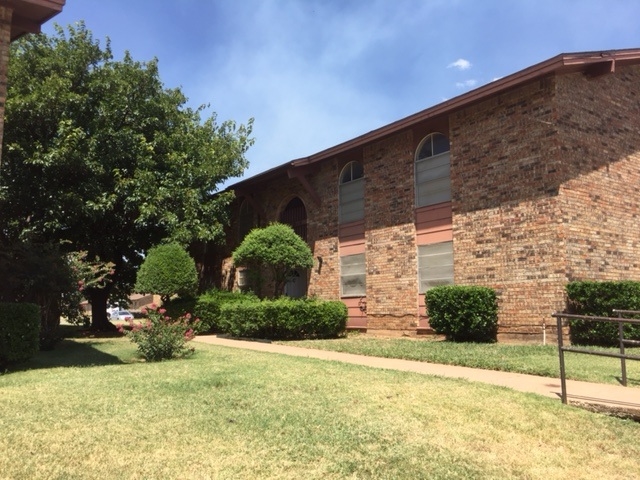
{"points": [[276, 248], [284, 318], [463, 313], [206, 307], [600, 299], [167, 270], [160, 337], [179, 307], [19, 332]]}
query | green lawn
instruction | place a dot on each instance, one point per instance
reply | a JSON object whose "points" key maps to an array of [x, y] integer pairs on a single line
{"points": [[90, 409], [530, 359]]}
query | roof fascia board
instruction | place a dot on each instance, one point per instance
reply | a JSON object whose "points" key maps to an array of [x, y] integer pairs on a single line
{"points": [[563, 63], [557, 64]]}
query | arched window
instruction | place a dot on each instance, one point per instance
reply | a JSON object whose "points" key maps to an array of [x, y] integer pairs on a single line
{"points": [[433, 182], [351, 193], [295, 215], [246, 219]]}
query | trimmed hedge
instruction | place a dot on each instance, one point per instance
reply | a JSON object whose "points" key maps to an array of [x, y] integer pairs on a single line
{"points": [[600, 299], [463, 313], [19, 332], [206, 307], [284, 319]]}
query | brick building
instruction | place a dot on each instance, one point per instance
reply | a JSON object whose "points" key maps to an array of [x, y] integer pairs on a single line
{"points": [[521, 185], [17, 18]]}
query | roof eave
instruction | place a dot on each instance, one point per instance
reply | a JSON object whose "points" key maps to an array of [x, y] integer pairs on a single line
{"points": [[560, 64]]}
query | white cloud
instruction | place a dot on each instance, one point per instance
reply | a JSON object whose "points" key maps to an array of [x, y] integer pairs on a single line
{"points": [[460, 64], [467, 83]]}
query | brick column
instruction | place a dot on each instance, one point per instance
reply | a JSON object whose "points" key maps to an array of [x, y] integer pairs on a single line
{"points": [[5, 39]]}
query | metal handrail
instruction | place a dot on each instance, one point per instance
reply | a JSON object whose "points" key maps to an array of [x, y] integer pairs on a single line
{"points": [[620, 320]]}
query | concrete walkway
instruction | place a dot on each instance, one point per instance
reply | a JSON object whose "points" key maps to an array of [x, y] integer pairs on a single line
{"points": [[608, 397]]}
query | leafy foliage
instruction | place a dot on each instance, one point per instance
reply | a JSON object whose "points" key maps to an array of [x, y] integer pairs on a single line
{"points": [[208, 307], [463, 313], [42, 273], [122, 164], [284, 318], [19, 332], [168, 270], [276, 248], [160, 337], [600, 299]]}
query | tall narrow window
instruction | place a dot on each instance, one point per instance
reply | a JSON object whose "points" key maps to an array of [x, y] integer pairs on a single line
{"points": [[246, 219], [295, 214], [433, 183], [352, 275], [351, 193], [435, 265]]}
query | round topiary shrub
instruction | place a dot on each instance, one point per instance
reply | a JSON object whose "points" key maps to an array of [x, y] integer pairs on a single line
{"points": [[168, 270]]}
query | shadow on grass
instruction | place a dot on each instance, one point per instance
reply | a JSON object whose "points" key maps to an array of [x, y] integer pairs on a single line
{"points": [[77, 349], [631, 382]]}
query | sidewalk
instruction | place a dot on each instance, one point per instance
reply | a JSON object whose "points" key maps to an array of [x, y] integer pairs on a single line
{"points": [[616, 397]]}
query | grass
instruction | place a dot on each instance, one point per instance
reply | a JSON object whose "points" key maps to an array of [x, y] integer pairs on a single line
{"points": [[91, 409], [529, 359]]}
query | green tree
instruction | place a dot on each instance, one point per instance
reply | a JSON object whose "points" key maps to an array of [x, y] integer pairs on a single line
{"points": [[166, 271], [42, 274], [276, 248], [99, 154]]}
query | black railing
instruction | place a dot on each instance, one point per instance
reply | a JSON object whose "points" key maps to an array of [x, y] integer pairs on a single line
{"points": [[620, 320]]}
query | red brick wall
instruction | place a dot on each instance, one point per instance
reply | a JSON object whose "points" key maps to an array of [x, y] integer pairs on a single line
{"points": [[505, 179], [544, 181], [599, 129], [391, 255]]}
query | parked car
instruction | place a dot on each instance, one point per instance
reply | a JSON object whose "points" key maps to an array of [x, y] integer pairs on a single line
{"points": [[121, 315]]}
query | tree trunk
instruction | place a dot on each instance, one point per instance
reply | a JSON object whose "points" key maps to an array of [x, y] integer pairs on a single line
{"points": [[99, 321]]}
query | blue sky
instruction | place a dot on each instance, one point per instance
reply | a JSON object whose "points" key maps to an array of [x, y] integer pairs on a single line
{"points": [[315, 73]]}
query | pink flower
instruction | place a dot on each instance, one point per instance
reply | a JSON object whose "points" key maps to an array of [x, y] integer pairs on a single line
{"points": [[143, 310], [188, 316], [153, 306], [162, 311]]}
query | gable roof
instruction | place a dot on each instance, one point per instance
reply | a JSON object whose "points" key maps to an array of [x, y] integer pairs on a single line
{"points": [[29, 15], [592, 64]]}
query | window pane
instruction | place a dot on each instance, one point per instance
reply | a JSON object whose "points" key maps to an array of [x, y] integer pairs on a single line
{"points": [[353, 286], [431, 170], [352, 171], [357, 171], [352, 201], [433, 182], [426, 149], [440, 144], [435, 265], [433, 192], [352, 275]]}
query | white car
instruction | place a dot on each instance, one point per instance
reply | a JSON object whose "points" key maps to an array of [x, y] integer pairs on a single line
{"points": [[121, 315]]}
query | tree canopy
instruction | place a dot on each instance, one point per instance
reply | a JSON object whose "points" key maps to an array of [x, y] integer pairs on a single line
{"points": [[276, 248], [100, 155], [166, 271]]}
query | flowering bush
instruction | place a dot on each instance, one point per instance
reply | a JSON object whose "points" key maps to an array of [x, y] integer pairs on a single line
{"points": [[160, 337]]}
